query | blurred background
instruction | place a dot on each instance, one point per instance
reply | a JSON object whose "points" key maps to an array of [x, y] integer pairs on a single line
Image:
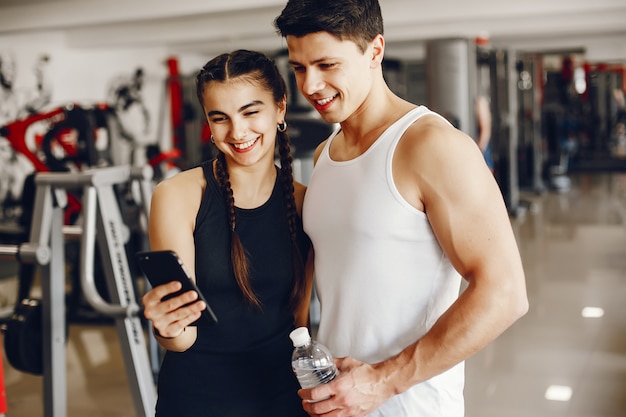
{"points": [[94, 85]]}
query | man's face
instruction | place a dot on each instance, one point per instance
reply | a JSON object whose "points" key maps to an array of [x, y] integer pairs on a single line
{"points": [[333, 75]]}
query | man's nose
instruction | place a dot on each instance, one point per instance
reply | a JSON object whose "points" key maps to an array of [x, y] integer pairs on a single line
{"points": [[311, 82]]}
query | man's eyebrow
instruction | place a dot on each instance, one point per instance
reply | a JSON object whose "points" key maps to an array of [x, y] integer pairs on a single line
{"points": [[241, 109], [317, 61]]}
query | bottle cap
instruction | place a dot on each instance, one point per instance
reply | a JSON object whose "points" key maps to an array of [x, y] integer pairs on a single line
{"points": [[300, 336]]}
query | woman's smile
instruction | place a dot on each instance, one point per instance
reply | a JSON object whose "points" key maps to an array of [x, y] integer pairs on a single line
{"points": [[244, 146]]}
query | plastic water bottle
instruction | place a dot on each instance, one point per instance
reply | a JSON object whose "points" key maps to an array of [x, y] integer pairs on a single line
{"points": [[311, 361]]}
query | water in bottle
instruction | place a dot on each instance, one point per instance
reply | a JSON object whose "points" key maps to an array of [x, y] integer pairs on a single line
{"points": [[311, 361]]}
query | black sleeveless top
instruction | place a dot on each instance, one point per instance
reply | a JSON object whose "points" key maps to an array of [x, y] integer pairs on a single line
{"points": [[240, 367]]}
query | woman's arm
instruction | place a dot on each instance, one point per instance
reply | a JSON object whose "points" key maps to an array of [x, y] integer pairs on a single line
{"points": [[302, 310], [173, 210]]}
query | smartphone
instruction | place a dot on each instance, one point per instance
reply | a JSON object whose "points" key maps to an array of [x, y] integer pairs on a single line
{"points": [[165, 266]]}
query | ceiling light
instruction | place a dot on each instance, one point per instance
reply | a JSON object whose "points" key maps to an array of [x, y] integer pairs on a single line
{"points": [[592, 312], [558, 393]]}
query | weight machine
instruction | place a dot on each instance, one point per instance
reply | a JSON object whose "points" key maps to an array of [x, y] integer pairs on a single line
{"points": [[102, 224]]}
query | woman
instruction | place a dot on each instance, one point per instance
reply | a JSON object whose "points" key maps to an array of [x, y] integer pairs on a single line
{"points": [[236, 219]]}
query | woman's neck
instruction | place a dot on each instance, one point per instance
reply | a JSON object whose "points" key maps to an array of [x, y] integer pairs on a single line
{"points": [[252, 186]]}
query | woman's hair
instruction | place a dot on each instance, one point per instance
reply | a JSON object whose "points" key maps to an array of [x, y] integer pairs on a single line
{"points": [[357, 20], [258, 69]]}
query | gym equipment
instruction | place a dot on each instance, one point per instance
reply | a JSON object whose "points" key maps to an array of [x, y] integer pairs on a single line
{"points": [[46, 248], [49, 150], [531, 154], [22, 338], [68, 138], [497, 78], [102, 222]]}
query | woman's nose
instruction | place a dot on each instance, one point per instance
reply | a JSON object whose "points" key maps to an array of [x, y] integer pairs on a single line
{"points": [[239, 130]]}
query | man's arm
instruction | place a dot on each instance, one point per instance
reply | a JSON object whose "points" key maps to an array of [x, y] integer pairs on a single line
{"points": [[469, 218], [439, 170]]}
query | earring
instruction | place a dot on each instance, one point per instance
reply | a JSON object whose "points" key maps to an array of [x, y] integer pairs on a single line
{"points": [[282, 127], [212, 140]]}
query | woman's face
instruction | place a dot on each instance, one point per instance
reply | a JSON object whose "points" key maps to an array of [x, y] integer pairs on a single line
{"points": [[243, 118]]}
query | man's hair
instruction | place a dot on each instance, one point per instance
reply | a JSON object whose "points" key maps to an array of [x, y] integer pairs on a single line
{"points": [[356, 20]]}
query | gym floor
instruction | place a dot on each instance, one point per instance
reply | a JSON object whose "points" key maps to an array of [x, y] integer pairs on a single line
{"points": [[555, 362]]}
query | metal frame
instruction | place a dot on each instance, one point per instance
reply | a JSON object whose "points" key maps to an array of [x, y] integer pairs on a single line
{"points": [[102, 223]]}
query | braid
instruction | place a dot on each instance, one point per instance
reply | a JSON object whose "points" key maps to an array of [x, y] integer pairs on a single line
{"points": [[238, 255], [224, 181], [286, 179], [257, 68]]}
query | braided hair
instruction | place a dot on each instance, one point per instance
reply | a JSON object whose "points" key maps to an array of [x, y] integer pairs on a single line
{"points": [[257, 68]]}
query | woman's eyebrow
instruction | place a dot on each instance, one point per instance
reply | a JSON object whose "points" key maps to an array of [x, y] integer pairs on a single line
{"points": [[241, 109]]}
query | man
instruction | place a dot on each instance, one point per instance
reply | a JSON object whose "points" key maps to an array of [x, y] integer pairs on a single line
{"points": [[400, 207], [483, 117]]}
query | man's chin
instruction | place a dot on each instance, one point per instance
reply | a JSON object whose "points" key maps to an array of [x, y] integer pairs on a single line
{"points": [[330, 117]]}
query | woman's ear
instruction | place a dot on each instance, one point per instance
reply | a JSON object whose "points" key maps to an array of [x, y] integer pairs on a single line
{"points": [[282, 108]]}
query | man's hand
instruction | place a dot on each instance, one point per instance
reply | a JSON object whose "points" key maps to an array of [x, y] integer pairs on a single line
{"points": [[358, 389]]}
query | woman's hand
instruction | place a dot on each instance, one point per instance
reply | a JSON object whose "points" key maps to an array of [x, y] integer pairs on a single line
{"points": [[170, 317]]}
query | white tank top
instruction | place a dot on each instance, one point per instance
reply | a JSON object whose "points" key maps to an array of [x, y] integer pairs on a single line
{"points": [[380, 274]]}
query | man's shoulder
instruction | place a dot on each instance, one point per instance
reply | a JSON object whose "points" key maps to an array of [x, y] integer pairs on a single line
{"points": [[431, 138], [318, 150], [428, 128]]}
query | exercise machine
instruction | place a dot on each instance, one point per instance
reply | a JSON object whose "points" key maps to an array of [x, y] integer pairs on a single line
{"points": [[102, 224]]}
